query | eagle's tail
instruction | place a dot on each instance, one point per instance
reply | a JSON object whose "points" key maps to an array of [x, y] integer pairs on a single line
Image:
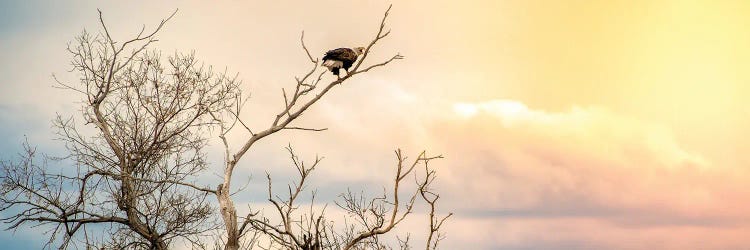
{"points": [[333, 63]]}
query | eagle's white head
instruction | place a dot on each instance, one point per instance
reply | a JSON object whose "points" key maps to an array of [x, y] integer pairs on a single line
{"points": [[359, 50]]}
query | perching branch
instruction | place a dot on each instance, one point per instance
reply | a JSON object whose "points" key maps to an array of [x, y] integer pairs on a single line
{"points": [[306, 92]]}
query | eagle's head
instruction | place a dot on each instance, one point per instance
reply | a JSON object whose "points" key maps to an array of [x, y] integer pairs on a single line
{"points": [[359, 50]]}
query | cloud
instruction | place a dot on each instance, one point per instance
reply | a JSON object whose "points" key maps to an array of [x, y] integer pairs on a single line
{"points": [[509, 163], [583, 178], [533, 179]]}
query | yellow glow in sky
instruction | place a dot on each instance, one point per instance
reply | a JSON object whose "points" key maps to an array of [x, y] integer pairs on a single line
{"points": [[680, 63]]}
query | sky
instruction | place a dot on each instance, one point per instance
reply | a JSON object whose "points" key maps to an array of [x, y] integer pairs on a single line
{"points": [[564, 124]]}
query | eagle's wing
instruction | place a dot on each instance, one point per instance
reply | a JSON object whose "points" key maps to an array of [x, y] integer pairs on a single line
{"points": [[340, 54]]}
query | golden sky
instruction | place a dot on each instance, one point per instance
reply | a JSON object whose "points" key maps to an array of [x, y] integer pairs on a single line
{"points": [[565, 124], [681, 63]]}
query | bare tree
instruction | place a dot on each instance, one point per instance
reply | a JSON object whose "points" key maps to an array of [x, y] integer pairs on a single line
{"points": [[292, 228], [133, 172], [307, 91]]}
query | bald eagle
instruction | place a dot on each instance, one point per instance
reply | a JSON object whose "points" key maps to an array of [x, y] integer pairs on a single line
{"points": [[339, 58]]}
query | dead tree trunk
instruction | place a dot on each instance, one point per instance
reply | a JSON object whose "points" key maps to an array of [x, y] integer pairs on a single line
{"points": [[228, 215]]}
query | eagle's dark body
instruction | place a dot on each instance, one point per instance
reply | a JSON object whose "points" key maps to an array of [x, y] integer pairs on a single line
{"points": [[337, 59]]}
